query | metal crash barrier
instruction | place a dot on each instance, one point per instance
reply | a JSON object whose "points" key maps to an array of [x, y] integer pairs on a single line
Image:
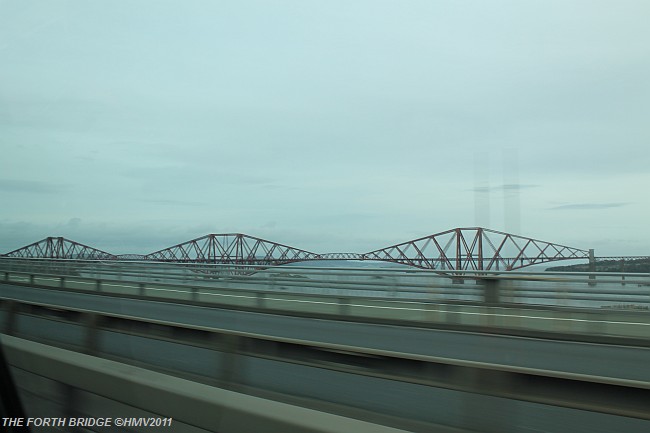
{"points": [[186, 402], [233, 360], [544, 303]]}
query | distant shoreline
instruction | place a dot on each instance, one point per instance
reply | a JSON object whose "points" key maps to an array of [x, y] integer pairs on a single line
{"points": [[634, 266]]}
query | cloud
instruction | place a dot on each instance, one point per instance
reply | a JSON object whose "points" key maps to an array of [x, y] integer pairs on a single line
{"points": [[504, 187], [29, 186], [515, 186], [74, 223], [175, 202], [269, 225], [588, 206]]}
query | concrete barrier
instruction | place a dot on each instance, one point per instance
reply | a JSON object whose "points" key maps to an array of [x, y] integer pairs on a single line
{"points": [[199, 405]]}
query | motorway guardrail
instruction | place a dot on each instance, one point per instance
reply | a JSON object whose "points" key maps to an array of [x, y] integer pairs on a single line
{"points": [[178, 400], [95, 333], [495, 312]]}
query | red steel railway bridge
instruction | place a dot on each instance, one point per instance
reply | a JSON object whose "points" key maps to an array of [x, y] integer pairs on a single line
{"points": [[473, 248]]}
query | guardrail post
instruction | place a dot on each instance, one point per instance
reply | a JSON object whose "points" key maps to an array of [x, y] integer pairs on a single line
{"points": [[90, 322], [230, 366], [6, 276], [479, 411], [9, 324], [344, 306], [195, 294], [491, 291], [592, 267], [141, 289], [62, 282], [98, 285], [261, 299], [70, 403]]}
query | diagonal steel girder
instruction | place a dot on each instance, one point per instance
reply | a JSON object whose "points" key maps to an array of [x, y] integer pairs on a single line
{"points": [[340, 256]]}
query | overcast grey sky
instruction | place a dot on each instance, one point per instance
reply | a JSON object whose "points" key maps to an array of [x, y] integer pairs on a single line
{"points": [[326, 125]]}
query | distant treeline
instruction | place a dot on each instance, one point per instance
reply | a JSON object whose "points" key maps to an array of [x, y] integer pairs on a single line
{"points": [[638, 265]]}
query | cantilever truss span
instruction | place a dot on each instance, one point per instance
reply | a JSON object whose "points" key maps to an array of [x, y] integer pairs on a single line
{"points": [[234, 248], [59, 248], [475, 248]]}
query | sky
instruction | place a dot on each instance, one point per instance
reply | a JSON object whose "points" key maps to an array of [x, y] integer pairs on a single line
{"points": [[329, 126]]}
